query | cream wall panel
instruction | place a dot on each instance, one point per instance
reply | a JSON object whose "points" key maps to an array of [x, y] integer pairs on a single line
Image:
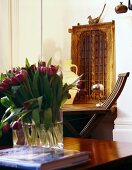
{"points": [[29, 30]]}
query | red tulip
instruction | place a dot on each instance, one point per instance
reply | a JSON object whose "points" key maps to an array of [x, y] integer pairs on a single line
{"points": [[39, 69], [54, 68], [10, 71], [14, 80], [6, 127], [80, 84], [17, 125], [19, 77], [15, 70], [33, 68], [7, 81], [24, 73], [23, 68], [41, 63], [43, 69], [51, 70], [82, 92], [5, 86], [1, 89]]}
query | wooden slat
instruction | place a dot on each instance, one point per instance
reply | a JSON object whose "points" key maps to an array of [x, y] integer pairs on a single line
{"points": [[116, 90]]}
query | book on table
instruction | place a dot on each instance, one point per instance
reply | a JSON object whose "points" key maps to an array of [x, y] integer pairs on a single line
{"points": [[41, 158]]}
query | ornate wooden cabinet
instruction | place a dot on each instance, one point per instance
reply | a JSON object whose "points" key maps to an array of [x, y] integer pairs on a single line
{"points": [[92, 50]]}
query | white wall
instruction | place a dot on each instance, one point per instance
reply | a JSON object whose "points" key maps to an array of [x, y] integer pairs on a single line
{"points": [[20, 32], [53, 29], [59, 16], [28, 32], [123, 123]]}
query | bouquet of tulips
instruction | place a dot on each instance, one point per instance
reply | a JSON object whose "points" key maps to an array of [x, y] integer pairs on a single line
{"points": [[32, 94]]}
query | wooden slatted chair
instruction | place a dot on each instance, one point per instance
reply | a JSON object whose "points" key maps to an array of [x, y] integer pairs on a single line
{"points": [[97, 113]]}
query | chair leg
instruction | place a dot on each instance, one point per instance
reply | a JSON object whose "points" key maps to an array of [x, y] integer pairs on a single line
{"points": [[71, 128], [91, 125]]}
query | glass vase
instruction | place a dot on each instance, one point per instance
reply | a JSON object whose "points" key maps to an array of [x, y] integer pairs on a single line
{"points": [[39, 136]]}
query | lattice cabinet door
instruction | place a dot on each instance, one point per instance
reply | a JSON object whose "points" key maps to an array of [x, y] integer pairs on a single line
{"points": [[92, 50]]}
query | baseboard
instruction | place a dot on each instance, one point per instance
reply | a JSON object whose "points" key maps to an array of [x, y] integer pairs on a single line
{"points": [[122, 129]]}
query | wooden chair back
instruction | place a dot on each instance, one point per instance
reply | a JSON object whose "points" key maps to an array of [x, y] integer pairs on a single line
{"points": [[112, 98]]}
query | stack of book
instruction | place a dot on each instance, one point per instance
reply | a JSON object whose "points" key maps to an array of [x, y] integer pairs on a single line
{"points": [[41, 158]]}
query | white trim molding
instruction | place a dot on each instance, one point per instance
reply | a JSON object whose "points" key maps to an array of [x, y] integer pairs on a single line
{"points": [[123, 129], [6, 36], [25, 31], [9, 33]]}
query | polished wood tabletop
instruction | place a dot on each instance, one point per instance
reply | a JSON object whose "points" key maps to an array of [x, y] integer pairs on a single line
{"points": [[87, 107], [104, 154]]}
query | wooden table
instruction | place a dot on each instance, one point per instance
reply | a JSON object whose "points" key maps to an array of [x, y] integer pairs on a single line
{"points": [[103, 154]]}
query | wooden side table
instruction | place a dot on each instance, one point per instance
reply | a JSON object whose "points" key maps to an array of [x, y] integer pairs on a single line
{"points": [[87, 118]]}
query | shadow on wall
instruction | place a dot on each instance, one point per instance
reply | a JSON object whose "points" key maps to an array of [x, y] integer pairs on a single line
{"points": [[50, 49]]}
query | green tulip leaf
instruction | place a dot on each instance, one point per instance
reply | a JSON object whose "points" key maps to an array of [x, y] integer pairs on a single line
{"points": [[36, 117], [0, 132], [47, 90], [35, 84], [16, 112], [40, 100], [47, 118], [27, 84], [19, 93], [5, 101], [27, 64], [49, 62]]}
